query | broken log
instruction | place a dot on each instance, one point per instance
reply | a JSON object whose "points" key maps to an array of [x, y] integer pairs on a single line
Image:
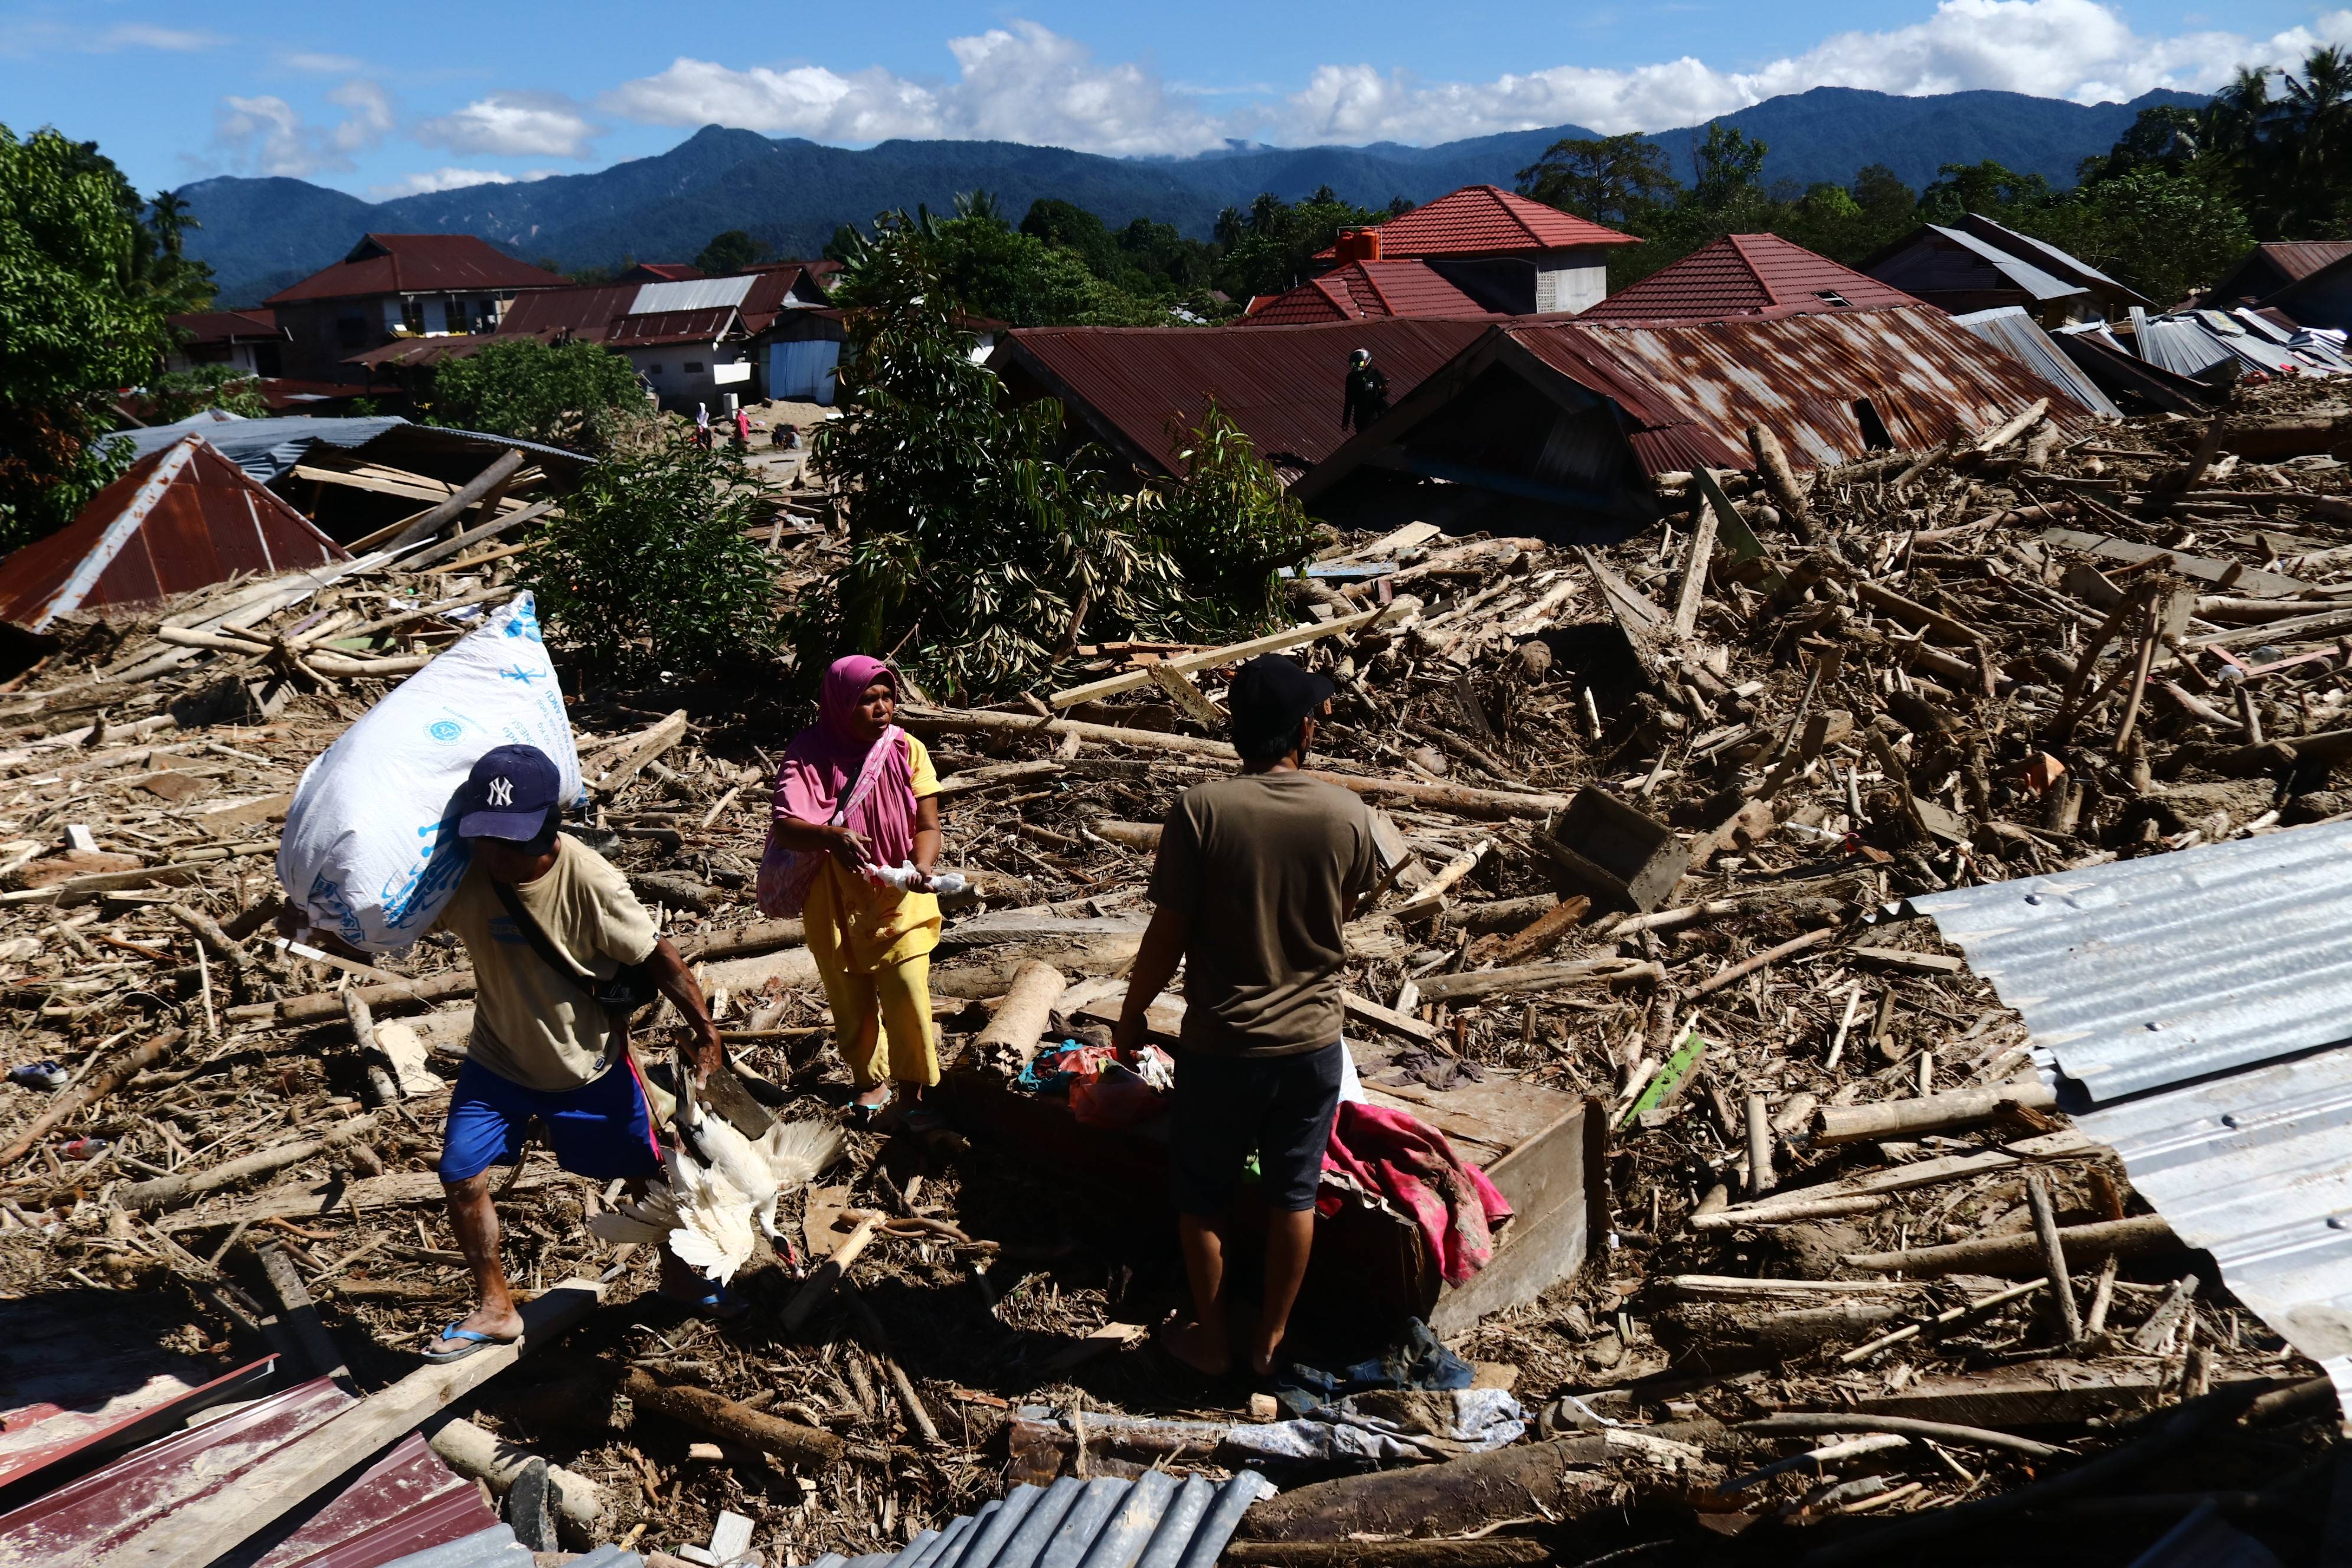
{"points": [[434, 518], [1025, 1013], [1533, 977], [2022, 1253], [163, 1192], [1567, 1476], [480, 1455], [1928, 1112], [731, 1422], [1456, 1551], [1804, 1423], [1733, 1337]]}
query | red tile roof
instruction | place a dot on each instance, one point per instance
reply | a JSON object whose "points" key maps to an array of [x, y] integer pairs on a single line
{"points": [[1365, 288], [1745, 275], [181, 518], [1488, 220], [1141, 389], [417, 263]]}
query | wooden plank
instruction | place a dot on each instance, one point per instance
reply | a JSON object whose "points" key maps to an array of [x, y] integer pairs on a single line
{"points": [[1904, 958], [1545, 1179], [1181, 691], [1372, 1012], [1392, 543], [1696, 562], [316, 1200], [2248, 579], [2063, 1144], [213, 1526], [658, 740], [1233, 653]]}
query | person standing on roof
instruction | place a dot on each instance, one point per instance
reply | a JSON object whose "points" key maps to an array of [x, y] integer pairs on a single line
{"points": [[1256, 875], [1367, 397], [563, 952], [857, 796]]}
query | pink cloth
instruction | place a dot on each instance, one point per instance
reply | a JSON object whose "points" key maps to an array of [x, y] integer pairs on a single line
{"points": [[1398, 1155], [827, 761]]}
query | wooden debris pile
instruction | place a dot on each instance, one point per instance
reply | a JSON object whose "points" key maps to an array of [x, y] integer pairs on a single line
{"points": [[1644, 809]]}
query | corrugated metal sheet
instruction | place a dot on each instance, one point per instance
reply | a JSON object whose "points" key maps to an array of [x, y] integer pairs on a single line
{"points": [[702, 326], [266, 448], [1142, 388], [2200, 1000], [1745, 274], [417, 263], [182, 519], [1799, 376], [2019, 272], [2011, 330], [691, 294], [1155, 1521], [2062, 264], [111, 1411], [2182, 347], [405, 1502]]}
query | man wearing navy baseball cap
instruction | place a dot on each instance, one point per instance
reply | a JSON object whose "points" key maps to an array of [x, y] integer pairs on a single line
{"points": [[1256, 876], [563, 952]]}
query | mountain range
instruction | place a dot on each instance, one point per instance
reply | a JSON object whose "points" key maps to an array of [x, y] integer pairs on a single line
{"points": [[260, 235]]}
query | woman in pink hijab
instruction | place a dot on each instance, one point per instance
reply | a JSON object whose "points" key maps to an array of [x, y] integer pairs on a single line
{"points": [[856, 795]]}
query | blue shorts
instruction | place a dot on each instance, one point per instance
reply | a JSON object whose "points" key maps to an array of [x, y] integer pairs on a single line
{"points": [[601, 1130]]}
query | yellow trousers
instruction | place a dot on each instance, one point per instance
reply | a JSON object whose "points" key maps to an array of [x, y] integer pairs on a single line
{"points": [[882, 1019]]}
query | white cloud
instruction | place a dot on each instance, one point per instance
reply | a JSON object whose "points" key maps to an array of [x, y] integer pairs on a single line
{"points": [[318, 64], [23, 38], [2075, 50], [447, 179], [512, 123], [1019, 83], [267, 135], [1023, 82]]}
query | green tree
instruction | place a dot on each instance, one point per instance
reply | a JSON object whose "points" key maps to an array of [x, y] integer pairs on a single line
{"points": [[1230, 524], [1617, 180], [182, 393], [77, 324], [1073, 228], [2166, 234], [579, 395], [731, 252], [652, 568], [1990, 189], [1730, 169], [1277, 241], [969, 541]]}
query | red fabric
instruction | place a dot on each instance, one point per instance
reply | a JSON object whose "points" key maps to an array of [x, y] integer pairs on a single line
{"points": [[1396, 1154]]}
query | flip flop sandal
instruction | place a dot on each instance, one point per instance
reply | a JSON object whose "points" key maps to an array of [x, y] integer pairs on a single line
{"points": [[922, 1121], [862, 1115], [456, 1344]]}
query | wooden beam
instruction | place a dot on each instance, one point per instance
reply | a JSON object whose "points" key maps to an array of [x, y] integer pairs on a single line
{"points": [[1233, 653], [435, 519], [213, 1526]]}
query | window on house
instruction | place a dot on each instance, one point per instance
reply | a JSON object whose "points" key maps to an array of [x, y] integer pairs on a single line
{"points": [[351, 330], [1832, 297], [694, 367], [653, 370]]}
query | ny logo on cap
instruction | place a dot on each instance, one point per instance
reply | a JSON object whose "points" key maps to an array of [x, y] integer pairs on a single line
{"points": [[501, 792]]}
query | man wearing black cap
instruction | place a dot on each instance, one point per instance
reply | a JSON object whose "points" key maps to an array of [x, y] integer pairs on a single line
{"points": [[1256, 876], [549, 923]]}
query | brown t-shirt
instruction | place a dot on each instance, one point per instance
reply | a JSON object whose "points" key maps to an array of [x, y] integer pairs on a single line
{"points": [[531, 1026], [1266, 865]]}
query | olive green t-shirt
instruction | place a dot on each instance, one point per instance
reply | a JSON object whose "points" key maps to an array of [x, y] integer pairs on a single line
{"points": [[532, 1026], [1266, 865]]}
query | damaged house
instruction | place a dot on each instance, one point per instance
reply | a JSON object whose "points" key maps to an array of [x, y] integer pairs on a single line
{"points": [[398, 285], [1975, 264]]}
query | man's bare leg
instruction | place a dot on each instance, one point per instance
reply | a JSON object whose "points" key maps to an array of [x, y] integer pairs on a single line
{"points": [[1289, 1242], [476, 1221], [1202, 1345]]}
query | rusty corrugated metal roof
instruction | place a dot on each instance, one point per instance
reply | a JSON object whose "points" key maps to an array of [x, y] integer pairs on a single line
{"points": [[181, 518], [1799, 376], [705, 326], [1139, 389], [1745, 275], [417, 263], [407, 1500]]}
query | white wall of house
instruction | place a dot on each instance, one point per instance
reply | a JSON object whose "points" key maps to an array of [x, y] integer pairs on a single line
{"points": [[1572, 279], [683, 375]]}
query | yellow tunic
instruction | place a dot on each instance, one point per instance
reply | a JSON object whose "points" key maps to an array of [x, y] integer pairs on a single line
{"points": [[858, 927]]}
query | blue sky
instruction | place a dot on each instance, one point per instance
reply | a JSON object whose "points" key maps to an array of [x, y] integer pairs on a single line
{"points": [[383, 100]]}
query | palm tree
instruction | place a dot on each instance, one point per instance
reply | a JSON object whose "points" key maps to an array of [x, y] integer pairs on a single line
{"points": [[172, 218]]}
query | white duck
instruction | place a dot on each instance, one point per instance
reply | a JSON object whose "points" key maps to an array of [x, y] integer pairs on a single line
{"points": [[718, 1182]]}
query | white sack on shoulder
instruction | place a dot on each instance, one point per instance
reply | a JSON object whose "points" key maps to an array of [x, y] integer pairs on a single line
{"points": [[369, 850]]}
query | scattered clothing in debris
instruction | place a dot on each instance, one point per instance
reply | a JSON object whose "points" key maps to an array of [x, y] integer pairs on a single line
{"points": [[1419, 1360], [1434, 1071], [1390, 1425], [1405, 1160]]}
